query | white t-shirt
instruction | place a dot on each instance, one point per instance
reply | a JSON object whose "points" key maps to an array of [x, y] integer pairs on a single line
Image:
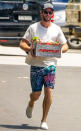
{"points": [[52, 34]]}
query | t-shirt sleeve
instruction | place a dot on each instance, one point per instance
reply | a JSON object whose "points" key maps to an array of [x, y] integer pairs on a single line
{"points": [[28, 34], [61, 37]]}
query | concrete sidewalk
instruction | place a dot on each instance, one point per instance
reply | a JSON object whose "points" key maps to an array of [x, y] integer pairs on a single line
{"points": [[4, 50], [71, 58]]}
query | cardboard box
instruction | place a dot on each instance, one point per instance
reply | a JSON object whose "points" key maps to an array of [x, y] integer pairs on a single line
{"points": [[48, 50]]}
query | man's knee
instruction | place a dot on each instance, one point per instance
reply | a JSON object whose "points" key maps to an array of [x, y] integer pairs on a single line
{"points": [[35, 95], [48, 92]]}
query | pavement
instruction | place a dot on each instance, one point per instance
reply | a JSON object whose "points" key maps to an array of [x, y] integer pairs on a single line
{"points": [[15, 55], [15, 51], [65, 112]]}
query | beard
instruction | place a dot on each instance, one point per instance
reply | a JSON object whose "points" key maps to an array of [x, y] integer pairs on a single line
{"points": [[45, 19]]}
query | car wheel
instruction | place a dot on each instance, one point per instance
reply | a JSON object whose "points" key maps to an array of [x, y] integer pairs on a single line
{"points": [[74, 43]]}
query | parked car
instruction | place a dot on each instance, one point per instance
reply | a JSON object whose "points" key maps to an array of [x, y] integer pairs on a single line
{"points": [[15, 17], [73, 23]]}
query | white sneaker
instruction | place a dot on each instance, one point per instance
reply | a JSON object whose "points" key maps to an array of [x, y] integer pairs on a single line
{"points": [[44, 126], [29, 111]]}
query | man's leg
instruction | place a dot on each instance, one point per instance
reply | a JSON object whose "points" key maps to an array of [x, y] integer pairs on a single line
{"points": [[33, 97], [49, 83], [46, 106], [36, 78], [46, 102], [36, 83]]}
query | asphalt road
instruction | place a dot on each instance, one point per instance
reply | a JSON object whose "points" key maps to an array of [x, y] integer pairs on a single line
{"points": [[65, 112]]}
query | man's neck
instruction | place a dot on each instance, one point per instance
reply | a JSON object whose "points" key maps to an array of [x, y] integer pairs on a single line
{"points": [[46, 24]]}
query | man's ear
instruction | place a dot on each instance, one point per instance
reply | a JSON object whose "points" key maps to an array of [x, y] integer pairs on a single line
{"points": [[41, 11]]}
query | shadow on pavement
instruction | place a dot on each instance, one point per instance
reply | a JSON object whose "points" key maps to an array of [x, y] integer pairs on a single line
{"points": [[23, 126]]}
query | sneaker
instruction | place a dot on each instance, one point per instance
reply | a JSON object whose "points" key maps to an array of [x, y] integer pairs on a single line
{"points": [[44, 126], [29, 111]]}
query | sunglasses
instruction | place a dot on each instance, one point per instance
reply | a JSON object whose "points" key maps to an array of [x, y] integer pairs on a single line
{"points": [[48, 12]]}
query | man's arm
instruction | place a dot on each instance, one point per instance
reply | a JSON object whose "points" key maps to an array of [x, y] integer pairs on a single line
{"points": [[24, 45], [65, 48]]}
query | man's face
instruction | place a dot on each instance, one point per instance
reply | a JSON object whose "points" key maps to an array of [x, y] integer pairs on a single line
{"points": [[47, 14]]}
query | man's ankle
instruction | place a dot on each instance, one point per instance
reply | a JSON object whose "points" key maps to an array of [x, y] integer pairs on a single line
{"points": [[31, 104], [43, 120]]}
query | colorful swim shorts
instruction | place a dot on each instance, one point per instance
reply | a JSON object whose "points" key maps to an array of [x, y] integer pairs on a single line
{"points": [[40, 76]]}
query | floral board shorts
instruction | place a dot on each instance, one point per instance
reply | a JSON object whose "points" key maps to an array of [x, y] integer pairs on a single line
{"points": [[40, 76]]}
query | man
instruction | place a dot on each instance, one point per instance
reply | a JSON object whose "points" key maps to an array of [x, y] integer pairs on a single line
{"points": [[42, 68]]}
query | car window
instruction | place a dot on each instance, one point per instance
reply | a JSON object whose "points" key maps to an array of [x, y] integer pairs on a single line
{"points": [[64, 1]]}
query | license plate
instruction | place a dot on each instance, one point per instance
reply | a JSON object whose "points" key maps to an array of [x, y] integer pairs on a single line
{"points": [[25, 17]]}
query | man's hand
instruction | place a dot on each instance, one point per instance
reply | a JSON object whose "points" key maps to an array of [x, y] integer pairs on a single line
{"points": [[65, 48], [32, 51]]}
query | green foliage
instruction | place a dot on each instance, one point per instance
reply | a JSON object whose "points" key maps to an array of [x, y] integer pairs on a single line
{"points": [[34, 38]]}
